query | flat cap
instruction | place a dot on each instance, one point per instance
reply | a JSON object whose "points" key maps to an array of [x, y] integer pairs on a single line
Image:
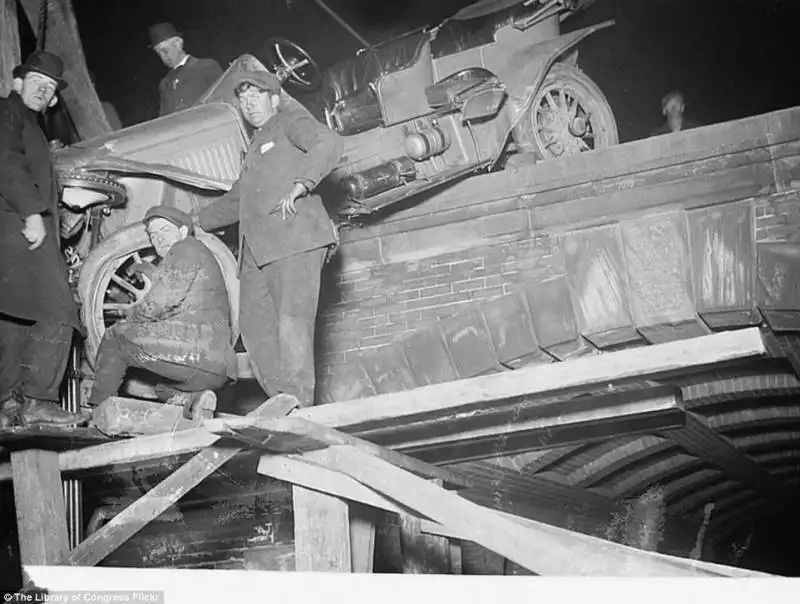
{"points": [[177, 217], [261, 79]]}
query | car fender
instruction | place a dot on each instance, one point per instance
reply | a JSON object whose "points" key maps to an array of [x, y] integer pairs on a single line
{"points": [[525, 70]]}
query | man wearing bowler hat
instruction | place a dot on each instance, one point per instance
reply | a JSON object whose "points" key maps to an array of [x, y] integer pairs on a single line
{"points": [[37, 312], [188, 77], [181, 328], [284, 233]]}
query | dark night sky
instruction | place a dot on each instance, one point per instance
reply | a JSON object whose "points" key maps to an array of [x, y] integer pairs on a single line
{"points": [[732, 58]]}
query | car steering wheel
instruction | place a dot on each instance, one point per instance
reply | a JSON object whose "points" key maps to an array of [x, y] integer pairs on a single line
{"points": [[290, 62]]}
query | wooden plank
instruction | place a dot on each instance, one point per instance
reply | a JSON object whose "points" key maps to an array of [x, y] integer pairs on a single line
{"points": [[39, 504], [598, 284], [456, 565], [464, 396], [723, 257], [388, 551], [568, 422], [269, 434], [659, 273], [9, 44], [538, 547], [136, 516], [422, 554], [554, 319], [685, 356], [779, 280], [321, 532], [362, 537]]}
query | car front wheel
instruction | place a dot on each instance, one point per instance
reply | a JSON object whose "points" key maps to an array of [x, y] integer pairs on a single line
{"points": [[569, 114], [109, 285]]}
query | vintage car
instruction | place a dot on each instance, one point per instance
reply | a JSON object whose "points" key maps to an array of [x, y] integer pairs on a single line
{"points": [[416, 112]]}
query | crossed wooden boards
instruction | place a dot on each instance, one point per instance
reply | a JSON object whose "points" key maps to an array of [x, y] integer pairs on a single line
{"points": [[328, 461]]}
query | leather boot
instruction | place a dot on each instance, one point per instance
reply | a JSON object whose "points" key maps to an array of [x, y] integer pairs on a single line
{"points": [[35, 411], [10, 409]]}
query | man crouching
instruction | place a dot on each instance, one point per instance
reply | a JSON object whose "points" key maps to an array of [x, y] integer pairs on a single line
{"points": [[180, 330]]}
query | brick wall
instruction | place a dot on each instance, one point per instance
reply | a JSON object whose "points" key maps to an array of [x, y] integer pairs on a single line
{"points": [[778, 217], [367, 309]]}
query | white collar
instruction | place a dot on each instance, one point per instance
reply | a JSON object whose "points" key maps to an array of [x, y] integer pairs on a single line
{"points": [[182, 63]]}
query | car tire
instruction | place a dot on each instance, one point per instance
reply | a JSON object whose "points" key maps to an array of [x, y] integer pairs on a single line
{"points": [[112, 253], [555, 137]]}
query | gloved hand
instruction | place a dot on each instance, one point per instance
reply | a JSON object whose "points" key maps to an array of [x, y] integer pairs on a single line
{"points": [[143, 268]]}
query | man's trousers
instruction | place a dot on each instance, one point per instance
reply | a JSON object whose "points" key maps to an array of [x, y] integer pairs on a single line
{"points": [[118, 353], [33, 357], [278, 314]]}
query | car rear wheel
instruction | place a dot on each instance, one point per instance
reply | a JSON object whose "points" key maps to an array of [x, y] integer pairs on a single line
{"points": [[569, 115], [108, 284]]}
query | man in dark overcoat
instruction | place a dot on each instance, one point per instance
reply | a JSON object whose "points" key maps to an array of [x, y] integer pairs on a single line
{"points": [[282, 246], [188, 77], [37, 310]]}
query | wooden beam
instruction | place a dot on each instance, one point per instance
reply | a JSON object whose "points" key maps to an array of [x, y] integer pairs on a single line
{"points": [[457, 399], [62, 38], [39, 503], [9, 44], [565, 422], [699, 439], [321, 532], [423, 553], [136, 516], [296, 434], [362, 537], [482, 393], [541, 548]]}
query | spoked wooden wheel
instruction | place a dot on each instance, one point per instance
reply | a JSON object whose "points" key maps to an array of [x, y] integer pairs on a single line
{"points": [[108, 285], [568, 115]]}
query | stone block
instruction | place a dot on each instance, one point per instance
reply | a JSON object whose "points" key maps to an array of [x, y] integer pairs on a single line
{"points": [[428, 357], [470, 344], [119, 415]]}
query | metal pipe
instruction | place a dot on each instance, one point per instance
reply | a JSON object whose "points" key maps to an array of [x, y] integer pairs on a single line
{"points": [[343, 23]]}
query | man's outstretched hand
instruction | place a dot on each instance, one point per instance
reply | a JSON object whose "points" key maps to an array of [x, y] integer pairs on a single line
{"points": [[34, 231], [287, 205]]}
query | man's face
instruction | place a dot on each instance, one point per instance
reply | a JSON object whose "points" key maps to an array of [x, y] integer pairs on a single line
{"points": [[37, 91], [258, 106], [170, 51], [164, 234], [674, 107]]}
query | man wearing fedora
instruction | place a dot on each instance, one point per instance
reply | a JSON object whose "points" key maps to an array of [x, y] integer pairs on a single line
{"points": [[37, 310], [181, 329], [284, 233], [188, 77]]}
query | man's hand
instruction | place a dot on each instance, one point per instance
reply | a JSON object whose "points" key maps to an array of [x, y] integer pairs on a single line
{"points": [[34, 231], [286, 205]]}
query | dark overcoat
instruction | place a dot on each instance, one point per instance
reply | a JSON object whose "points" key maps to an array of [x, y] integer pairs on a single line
{"points": [[184, 85], [33, 283]]}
